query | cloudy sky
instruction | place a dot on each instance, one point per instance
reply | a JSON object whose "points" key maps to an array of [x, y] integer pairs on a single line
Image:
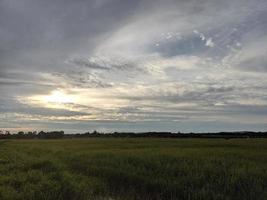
{"points": [[142, 65]]}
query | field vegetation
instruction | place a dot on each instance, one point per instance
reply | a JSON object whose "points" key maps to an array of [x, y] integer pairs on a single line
{"points": [[133, 168]]}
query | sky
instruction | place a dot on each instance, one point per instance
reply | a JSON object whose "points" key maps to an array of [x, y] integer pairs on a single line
{"points": [[142, 65]]}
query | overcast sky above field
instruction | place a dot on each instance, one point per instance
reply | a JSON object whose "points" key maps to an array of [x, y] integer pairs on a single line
{"points": [[142, 65]]}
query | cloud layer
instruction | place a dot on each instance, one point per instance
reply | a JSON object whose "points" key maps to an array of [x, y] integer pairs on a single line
{"points": [[133, 65]]}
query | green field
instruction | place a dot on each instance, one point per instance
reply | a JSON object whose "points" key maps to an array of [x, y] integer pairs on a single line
{"points": [[133, 169]]}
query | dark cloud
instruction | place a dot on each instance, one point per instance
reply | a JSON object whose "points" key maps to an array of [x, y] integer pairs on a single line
{"points": [[13, 106], [82, 79], [256, 64], [102, 63], [89, 64]]}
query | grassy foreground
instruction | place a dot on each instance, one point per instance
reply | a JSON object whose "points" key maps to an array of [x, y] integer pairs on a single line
{"points": [[133, 169]]}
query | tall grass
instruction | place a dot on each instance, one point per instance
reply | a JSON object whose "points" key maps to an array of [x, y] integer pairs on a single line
{"points": [[133, 169]]}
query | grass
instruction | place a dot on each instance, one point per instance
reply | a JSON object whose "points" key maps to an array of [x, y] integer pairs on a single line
{"points": [[125, 169]]}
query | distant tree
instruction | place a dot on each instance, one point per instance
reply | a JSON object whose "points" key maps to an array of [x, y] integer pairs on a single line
{"points": [[51, 135], [31, 134]]}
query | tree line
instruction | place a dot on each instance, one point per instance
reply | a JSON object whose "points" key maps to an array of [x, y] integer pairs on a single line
{"points": [[32, 135], [61, 135]]}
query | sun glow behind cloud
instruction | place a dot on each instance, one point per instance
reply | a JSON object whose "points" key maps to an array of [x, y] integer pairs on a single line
{"points": [[58, 96], [56, 99]]}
